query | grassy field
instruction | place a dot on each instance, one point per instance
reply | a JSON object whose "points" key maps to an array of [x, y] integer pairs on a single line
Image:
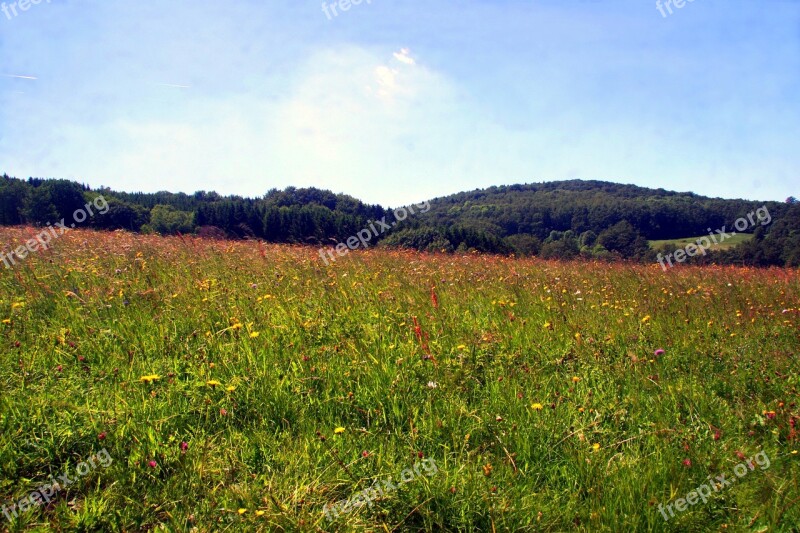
{"points": [[245, 387], [730, 242]]}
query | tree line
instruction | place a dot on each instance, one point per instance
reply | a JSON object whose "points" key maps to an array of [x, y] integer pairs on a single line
{"points": [[565, 219]]}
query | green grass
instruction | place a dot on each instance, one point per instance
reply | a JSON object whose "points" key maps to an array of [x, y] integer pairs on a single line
{"points": [[306, 349], [730, 242]]}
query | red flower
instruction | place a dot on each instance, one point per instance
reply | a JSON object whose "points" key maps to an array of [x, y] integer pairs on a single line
{"points": [[101, 436], [687, 463], [184, 446], [152, 464]]}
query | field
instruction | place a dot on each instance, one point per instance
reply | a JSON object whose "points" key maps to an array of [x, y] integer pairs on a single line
{"points": [[239, 386], [730, 242]]}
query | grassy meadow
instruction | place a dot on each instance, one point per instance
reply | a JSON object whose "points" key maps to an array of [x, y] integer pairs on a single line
{"points": [[240, 386], [730, 242]]}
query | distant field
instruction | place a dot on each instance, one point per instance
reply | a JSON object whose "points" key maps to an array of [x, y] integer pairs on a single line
{"points": [[739, 238], [239, 386]]}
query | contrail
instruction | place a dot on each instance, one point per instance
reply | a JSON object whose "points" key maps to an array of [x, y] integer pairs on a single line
{"points": [[20, 77]]}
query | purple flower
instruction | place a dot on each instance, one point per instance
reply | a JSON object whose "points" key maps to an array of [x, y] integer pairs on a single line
{"points": [[659, 352]]}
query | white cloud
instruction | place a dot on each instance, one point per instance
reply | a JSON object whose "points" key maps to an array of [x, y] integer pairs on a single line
{"points": [[404, 56]]}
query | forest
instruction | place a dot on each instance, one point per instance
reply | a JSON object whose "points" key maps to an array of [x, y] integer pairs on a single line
{"points": [[562, 219]]}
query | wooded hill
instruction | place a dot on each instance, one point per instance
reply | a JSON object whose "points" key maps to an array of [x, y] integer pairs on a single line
{"points": [[563, 219]]}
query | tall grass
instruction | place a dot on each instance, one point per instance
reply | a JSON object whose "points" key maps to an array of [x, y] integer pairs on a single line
{"points": [[534, 386]]}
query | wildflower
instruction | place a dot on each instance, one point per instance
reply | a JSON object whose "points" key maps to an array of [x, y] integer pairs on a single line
{"points": [[242, 511], [548, 326], [575, 379], [101, 436], [432, 384], [231, 388], [365, 453], [487, 469], [659, 352], [213, 383], [6, 321], [223, 412], [537, 407], [769, 414], [150, 378], [595, 446], [687, 463], [184, 446], [338, 430], [260, 512], [254, 335], [646, 319], [152, 464]]}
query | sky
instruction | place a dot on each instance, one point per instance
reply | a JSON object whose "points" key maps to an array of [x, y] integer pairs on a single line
{"points": [[401, 101]]}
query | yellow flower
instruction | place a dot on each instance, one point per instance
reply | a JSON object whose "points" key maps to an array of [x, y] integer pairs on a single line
{"points": [[16, 305], [260, 513], [595, 446], [242, 511], [646, 319], [548, 325], [149, 379], [213, 383], [537, 407], [338, 430], [6, 321], [576, 379], [254, 334], [231, 388]]}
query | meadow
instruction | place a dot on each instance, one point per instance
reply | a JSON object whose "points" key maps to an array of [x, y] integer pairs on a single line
{"points": [[241, 386], [730, 242]]}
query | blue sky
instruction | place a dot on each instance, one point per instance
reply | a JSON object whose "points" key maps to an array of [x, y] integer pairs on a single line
{"points": [[399, 101]]}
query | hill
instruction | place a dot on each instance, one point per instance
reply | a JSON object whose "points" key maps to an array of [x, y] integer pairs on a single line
{"points": [[562, 219]]}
